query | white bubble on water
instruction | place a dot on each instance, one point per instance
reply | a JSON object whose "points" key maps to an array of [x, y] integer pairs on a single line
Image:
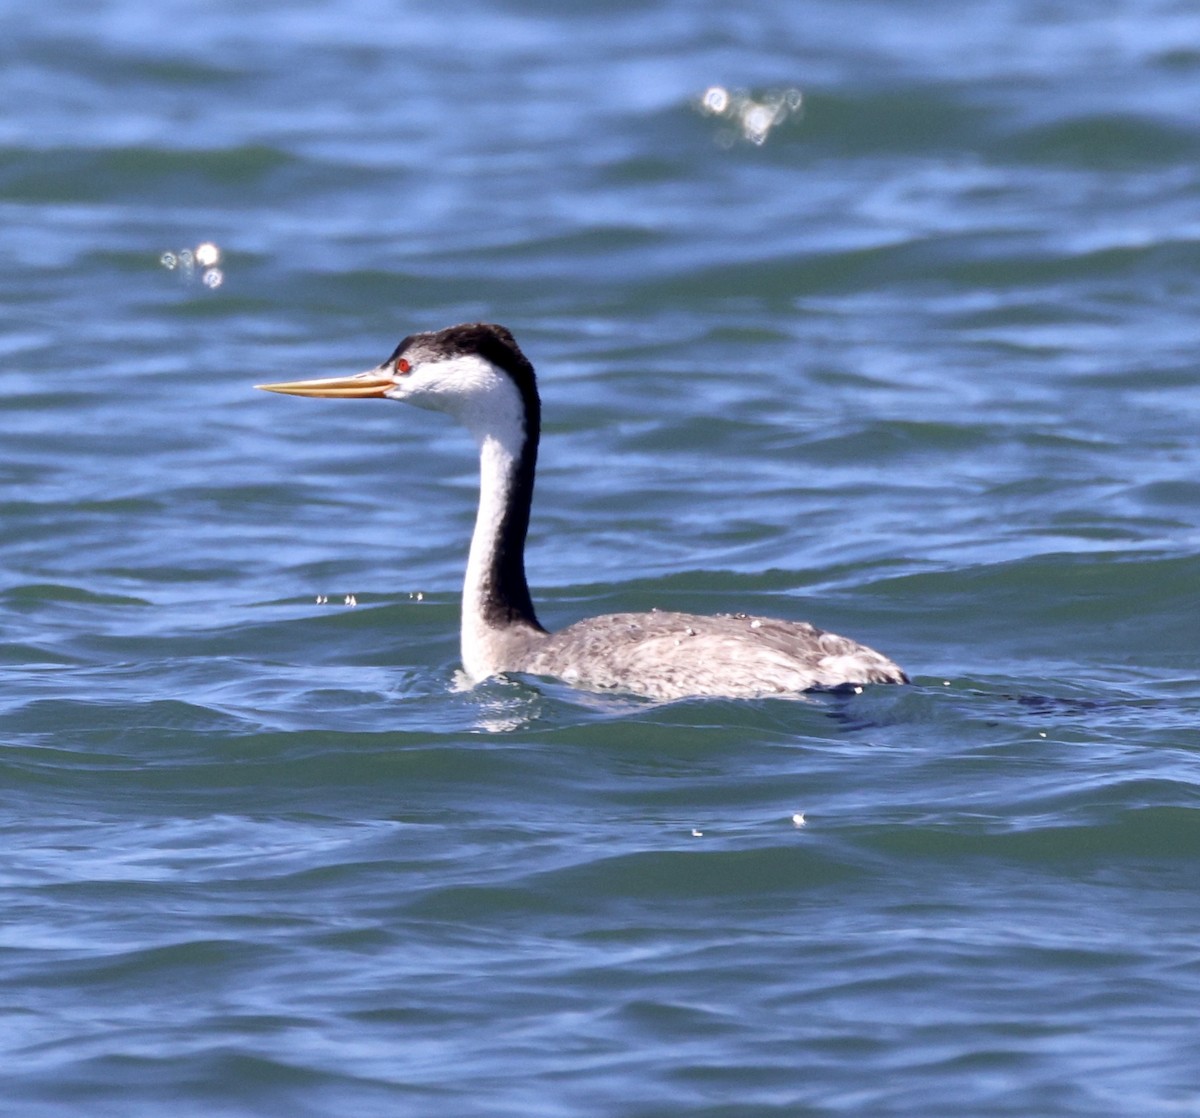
{"points": [[715, 99], [757, 122], [207, 254]]}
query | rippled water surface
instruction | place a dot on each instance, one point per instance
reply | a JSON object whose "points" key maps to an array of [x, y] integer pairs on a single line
{"points": [[877, 314]]}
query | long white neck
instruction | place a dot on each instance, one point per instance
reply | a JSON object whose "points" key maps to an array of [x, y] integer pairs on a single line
{"points": [[496, 601]]}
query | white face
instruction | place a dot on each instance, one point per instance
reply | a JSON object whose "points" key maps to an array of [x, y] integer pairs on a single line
{"points": [[468, 387]]}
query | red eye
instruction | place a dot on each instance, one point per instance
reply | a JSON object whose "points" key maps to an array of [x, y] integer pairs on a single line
{"points": [[402, 366]]}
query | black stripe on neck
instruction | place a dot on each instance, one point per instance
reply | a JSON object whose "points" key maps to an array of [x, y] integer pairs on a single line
{"points": [[506, 597]]}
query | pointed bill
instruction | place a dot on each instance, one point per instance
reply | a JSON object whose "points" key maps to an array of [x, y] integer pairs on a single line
{"points": [[364, 386]]}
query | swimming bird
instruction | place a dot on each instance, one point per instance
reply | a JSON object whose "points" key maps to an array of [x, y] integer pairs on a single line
{"points": [[476, 373]]}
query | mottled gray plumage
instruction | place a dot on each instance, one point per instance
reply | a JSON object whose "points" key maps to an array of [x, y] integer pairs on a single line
{"points": [[666, 655]]}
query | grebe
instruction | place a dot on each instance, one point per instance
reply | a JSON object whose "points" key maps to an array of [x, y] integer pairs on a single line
{"points": [[478, 374]]}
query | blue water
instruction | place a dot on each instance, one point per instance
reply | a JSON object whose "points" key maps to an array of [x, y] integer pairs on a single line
{"points": [[881, 315]]}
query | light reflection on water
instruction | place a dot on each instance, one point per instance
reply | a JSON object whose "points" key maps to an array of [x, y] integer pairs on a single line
{"points": [[198, 263], [752, 118]]}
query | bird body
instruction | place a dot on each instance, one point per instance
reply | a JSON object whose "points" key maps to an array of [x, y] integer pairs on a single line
{"points": [[478, 374], [669, 655]]}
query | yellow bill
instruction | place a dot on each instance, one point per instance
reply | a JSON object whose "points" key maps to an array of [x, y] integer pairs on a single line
{"points": [[361, 387]]}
